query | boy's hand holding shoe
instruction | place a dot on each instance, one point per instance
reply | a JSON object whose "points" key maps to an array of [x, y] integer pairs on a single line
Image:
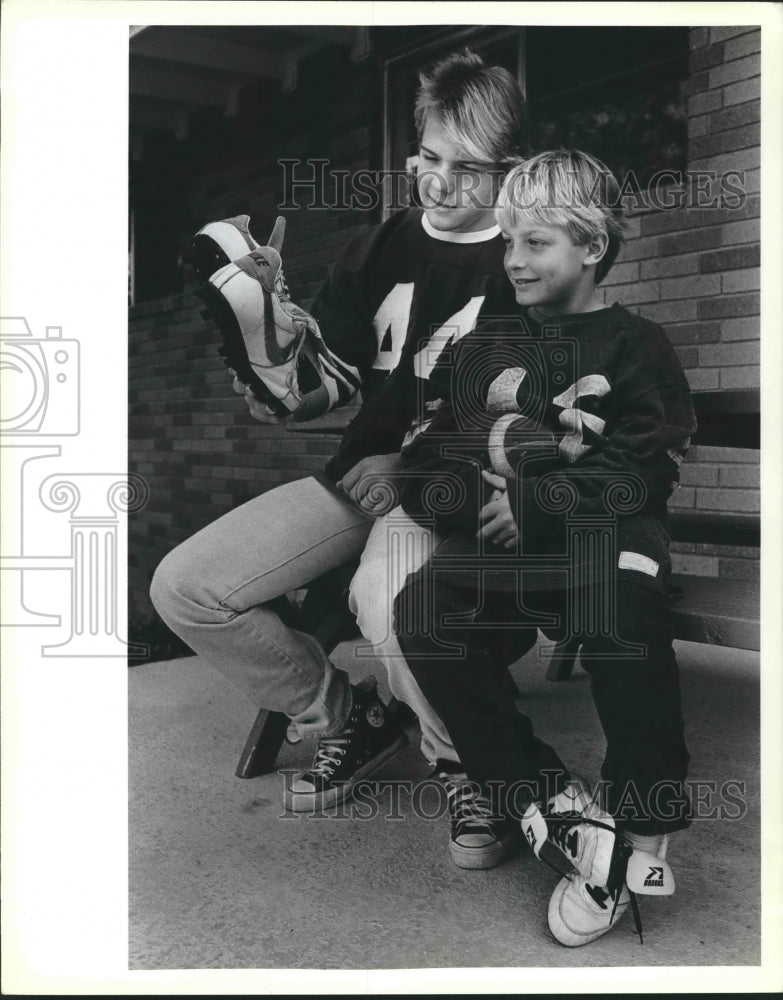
{"points": [[259, 411]]}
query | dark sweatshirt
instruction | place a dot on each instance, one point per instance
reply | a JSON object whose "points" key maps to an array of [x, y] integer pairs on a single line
{"points": [[399, 299], [586, 418]]}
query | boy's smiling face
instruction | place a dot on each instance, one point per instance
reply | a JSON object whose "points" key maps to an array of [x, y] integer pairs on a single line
{"points": [[548, 270], [457, 191]]}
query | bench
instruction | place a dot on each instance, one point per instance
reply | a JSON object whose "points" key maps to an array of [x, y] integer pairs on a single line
{"points": [[720, 612], [704, 609]]}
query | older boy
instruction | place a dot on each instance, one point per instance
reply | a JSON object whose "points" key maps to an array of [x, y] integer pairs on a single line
{"points": [[396, 291], [560, 443]]}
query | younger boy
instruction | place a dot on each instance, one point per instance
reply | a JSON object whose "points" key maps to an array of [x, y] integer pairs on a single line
{"points": [[555, 454]]}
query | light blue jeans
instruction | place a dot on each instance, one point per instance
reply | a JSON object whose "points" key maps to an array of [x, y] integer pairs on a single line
{"points": [[214, 588]]}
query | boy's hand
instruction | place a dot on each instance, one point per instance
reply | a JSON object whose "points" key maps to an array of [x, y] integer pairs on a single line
{"points": [[370, 483], [494, 480], [499, 525], [258, 411]]}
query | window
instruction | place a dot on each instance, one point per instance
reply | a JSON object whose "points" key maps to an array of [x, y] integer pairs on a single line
{"points": [[615, 92]]}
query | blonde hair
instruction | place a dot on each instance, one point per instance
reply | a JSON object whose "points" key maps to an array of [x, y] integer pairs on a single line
{"points": [[570, 189], [480, 107]]}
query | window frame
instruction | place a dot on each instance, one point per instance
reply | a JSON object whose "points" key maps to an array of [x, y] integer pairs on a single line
{"points": [[428, 50], [408, 56]]}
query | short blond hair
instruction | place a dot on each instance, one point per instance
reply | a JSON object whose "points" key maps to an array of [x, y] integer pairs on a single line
{"points": [[480, 107], [570, 189]]}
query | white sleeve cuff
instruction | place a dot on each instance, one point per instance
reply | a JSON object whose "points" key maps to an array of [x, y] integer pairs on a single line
{"points": [[497, 445], [502, 395]]}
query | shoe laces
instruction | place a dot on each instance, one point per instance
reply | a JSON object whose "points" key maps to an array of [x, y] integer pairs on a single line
{"points": [[281, 286], [332, 748], [330, 751], [299, 317], [468, 807], [600, 895], [563, 831]]}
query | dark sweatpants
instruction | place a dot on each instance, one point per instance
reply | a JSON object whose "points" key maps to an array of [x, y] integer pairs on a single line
{"points": [[634, 682]]}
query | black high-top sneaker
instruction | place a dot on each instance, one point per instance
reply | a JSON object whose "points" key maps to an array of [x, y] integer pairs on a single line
{"points": [[370, 736], [480, 838]]}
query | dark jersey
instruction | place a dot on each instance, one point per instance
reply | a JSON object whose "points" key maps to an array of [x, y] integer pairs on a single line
{"points": [[400, 297], [588, 417]]}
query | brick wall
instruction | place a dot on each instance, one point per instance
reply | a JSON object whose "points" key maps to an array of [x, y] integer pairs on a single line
{"points": [[695, 270]]}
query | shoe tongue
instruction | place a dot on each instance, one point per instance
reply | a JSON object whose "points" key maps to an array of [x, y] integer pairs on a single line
{"points": [[263, 265], [534, 828], [273, 260], [649, 875], [277, 235], [595, 812]]}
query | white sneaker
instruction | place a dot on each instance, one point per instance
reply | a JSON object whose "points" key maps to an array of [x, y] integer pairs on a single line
{"points": [[218, 243], [272, 344], [609, 869], [580, 911]]}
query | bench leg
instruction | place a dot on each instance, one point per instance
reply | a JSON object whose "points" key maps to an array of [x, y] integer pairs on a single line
{"points": [[268, 733], [325, 615], [563, 658], [263, 744]]}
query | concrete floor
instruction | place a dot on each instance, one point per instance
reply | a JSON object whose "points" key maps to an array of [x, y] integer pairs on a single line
{"points": [[221, 878]]}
